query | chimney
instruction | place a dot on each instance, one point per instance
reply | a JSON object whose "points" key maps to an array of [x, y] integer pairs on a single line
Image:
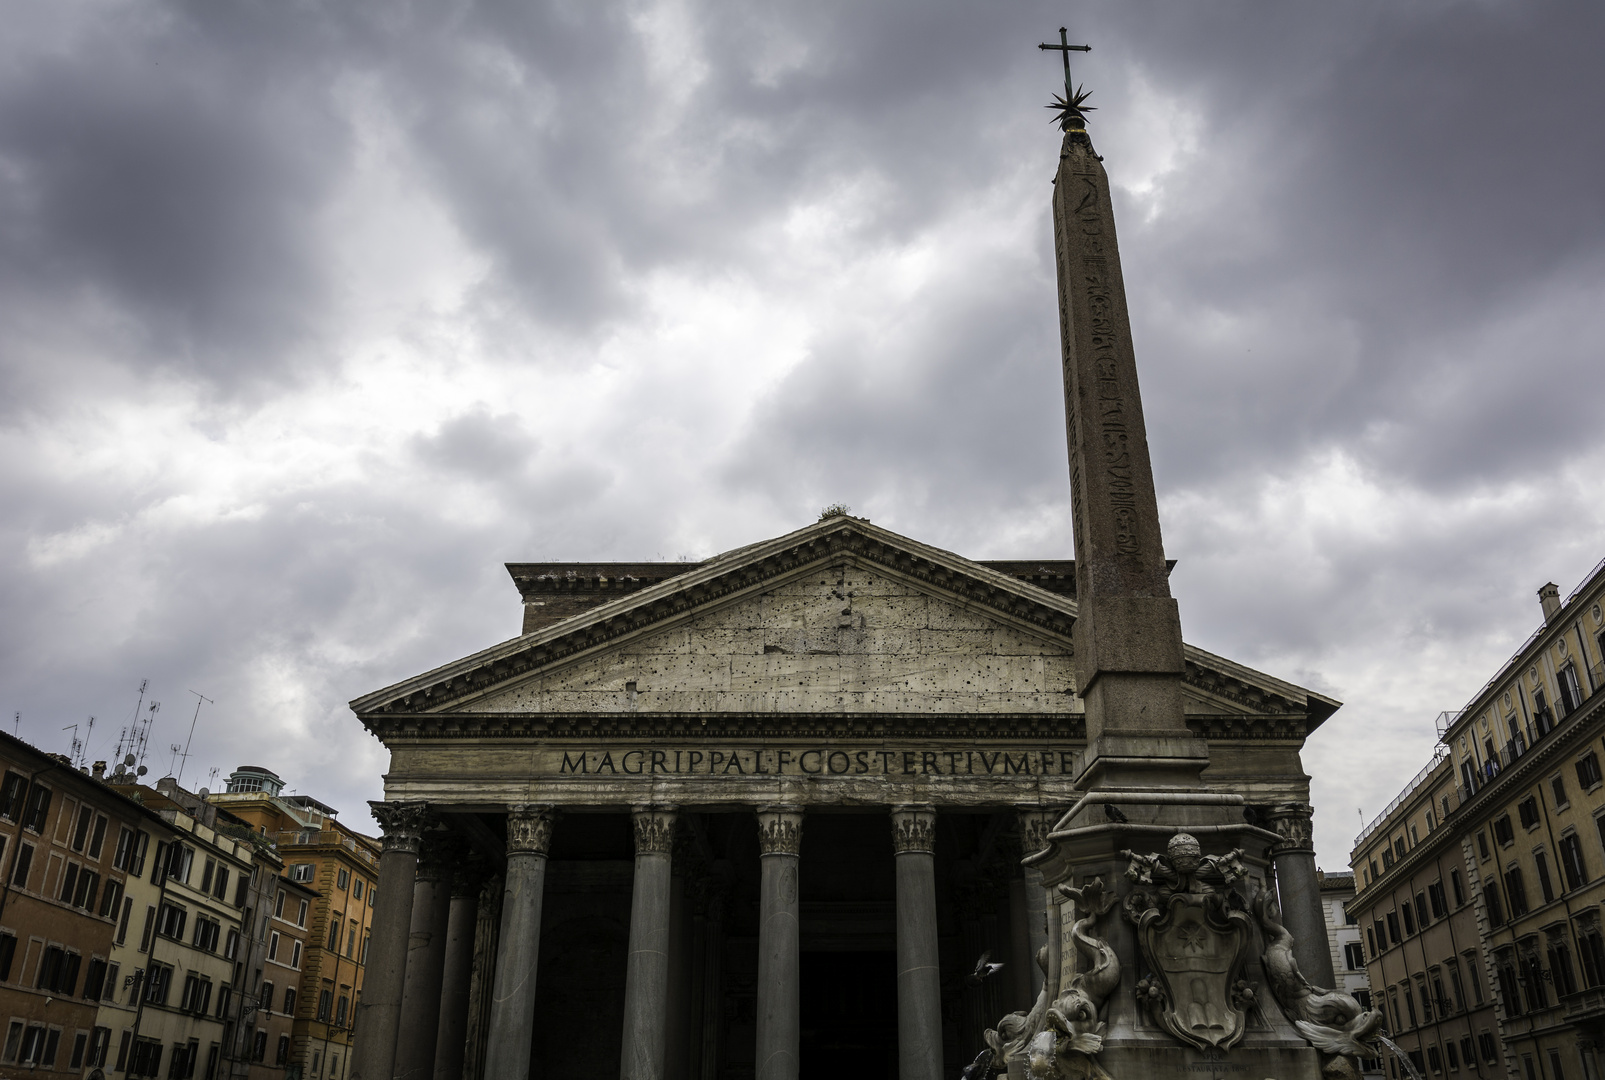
{"points": [[99, 770], [1549, 600]]}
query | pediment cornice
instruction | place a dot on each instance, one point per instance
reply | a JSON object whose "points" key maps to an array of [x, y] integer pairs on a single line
{"points": [[718, 580], [1240, 700]]}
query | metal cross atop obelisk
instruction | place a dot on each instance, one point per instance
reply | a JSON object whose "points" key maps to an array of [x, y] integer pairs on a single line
{"points": [[1064, 47]]}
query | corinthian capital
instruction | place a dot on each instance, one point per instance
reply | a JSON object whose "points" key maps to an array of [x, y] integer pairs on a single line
{"points": [[913, 829], [404, 824], [529, 829], [1034, 828], [654, 829], [780, 830], [1291, 822]]}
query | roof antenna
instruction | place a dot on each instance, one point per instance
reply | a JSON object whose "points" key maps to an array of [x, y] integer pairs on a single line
{"points": [[76, 745], [199, 697]]}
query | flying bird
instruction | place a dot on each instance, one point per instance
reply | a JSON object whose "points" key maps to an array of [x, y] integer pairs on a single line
{"points": [[984, 970], [1114, 813], [979, 1068]]}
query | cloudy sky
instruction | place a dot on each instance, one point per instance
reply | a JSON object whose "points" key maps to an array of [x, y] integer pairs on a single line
{"points": [[312, 315]]}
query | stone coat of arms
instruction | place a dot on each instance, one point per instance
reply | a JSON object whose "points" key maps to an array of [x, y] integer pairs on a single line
{"points": [[1194, 935]]}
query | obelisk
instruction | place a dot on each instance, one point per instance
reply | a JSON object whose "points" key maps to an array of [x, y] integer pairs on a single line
{"points": [[1150, 871], [1128, 645]]}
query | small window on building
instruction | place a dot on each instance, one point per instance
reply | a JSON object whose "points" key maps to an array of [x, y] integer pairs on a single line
{"points": [[1588, 773], [343, 879], [1528, 810], [1354, 956], [1503, 832], [1557, 785]]}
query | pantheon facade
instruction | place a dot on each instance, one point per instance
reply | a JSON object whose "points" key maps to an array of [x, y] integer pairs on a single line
{"points": [[698, 819]]}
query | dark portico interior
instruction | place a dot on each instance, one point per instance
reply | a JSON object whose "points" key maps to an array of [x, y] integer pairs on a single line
{"points": [[848, 943]]}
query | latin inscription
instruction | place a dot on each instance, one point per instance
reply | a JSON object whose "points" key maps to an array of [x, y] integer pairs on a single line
{"points": [[820, 761]]}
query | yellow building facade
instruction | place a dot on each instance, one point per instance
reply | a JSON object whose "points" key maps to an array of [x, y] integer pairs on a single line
{"points": [[337, 869], [1494, 857]]}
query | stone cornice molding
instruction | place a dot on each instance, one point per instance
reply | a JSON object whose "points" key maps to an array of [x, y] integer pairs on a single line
{"points": [[913, 829], [637, 727], [529, 829], [654, 829], [780, 830], [403, 824]]}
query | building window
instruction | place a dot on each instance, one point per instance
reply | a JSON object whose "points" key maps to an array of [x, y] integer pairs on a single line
{"points": [[1545, 886], [1490, 897], [1588, 773], [301, 914], [38, 810], [170, 921], [1527, 809], [300, 871], [1560, 965], [1515, 892], [1557, 784], [1571, 694], [207, 931], [343, 880], [1393, 928], [1436, 900], [295, 955], [273, 945], [356, 888], [289, 1001], [1434, 1059], [340, 1009], [19, 873], [1456, 986], [325, 1001], [158, 980], [11, 790], [1571, 861], [283, 1056], [278, 904], [1452, 1054], [1591, 951], [1489, 1048], [1482, 844], [334, 930], [266, 997], [1408, 910], [1456, 888], [1353, 955]]}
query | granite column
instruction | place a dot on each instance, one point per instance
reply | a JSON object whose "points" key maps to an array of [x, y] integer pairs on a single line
{"points": [[779, 945], [1299, 891], [646, 974], [919, 987], [373, 1055], [512, 1010], [457, 974], [426, 959]]}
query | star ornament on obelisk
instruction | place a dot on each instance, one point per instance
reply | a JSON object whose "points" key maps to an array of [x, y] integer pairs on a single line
{"points": [[1128, 645]]}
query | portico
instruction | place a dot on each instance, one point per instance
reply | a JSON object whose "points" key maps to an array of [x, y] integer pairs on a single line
{"points": [[747, 815]]}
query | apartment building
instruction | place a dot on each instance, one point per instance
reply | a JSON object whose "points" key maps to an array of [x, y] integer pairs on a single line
{"points": [[185, 976], [66, 846], [1348, 946], [1480, 886], [340, 868]]}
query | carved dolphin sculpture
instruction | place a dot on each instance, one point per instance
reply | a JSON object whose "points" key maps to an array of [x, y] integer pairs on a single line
{"points": [[1332, 1021]]}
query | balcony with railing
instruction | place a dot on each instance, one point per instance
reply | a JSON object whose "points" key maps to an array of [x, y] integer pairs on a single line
{"points": [[325, 838], [1438, 757]]}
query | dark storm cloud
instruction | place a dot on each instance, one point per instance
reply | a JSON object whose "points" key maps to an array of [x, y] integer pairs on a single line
{"points": [[1363, 246]]}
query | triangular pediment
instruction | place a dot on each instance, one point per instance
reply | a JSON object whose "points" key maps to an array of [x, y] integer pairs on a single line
{"points": [[841, 617]]}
